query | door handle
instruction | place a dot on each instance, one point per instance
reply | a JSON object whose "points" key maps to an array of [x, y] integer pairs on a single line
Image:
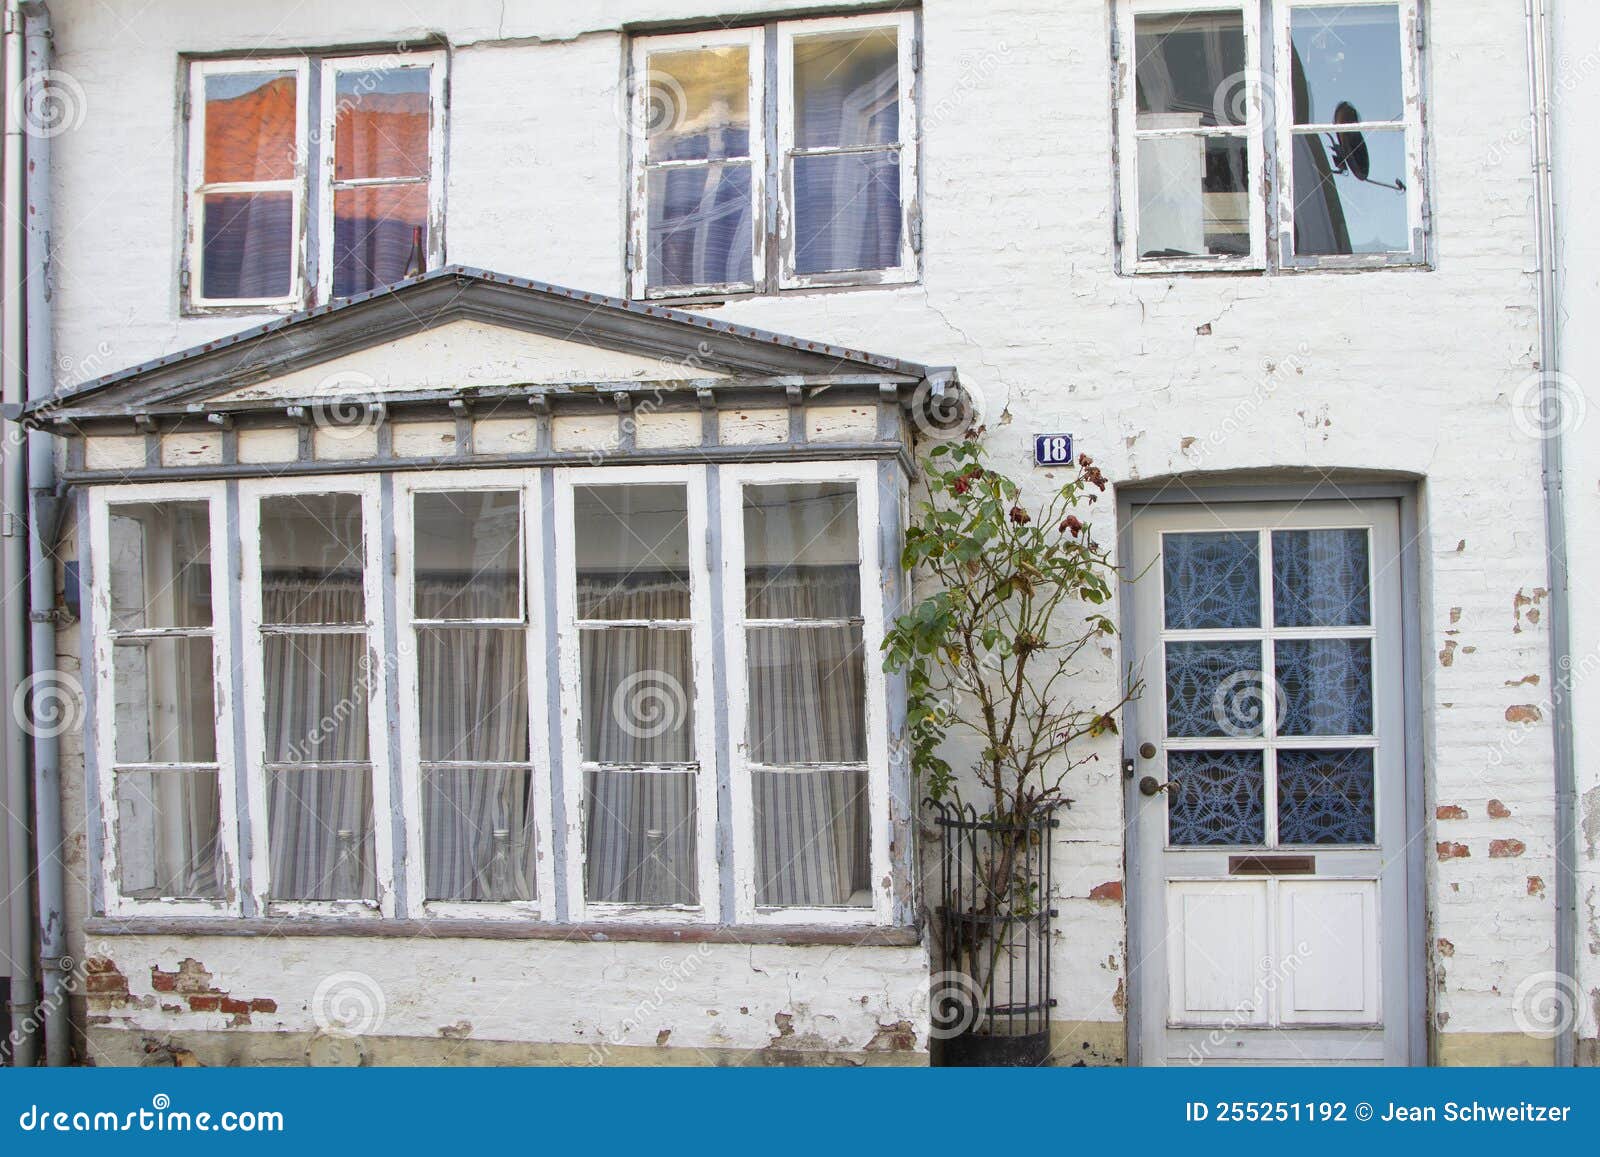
{"points": [[1150, 785]]}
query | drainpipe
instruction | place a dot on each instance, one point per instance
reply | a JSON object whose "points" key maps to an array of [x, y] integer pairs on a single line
{"points": [[13, 552], [47, 505], [1551, 408]]}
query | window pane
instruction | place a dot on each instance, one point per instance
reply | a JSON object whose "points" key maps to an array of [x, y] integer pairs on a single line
{"points": [[639, 838], [1212, 580], [1191, 71], [381, 123], [251, 126], [317, 687], [1345, 64], [1320, 578], [1349, 193], [1325, 797], [473, 687], [319, 834], [168, 827], [638, 696], [1194, 198], [700, 225], [847, 89], [847, 212], [247, 245], [1326, 686], [813, 839], [807, 695], [802, 554], [1214, 689], [160, 565], [478, 834], [380, 235], [468, 547], [632, 544], [165, 701], [1216, 798], [697, 104], [311, 559]]}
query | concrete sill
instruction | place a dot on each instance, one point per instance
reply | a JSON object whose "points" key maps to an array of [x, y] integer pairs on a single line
{"points": [[442, 929]]}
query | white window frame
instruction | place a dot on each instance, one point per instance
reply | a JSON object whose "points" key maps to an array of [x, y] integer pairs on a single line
{"points": [[526, 485], [197, 188], [693, 479], [1411, 122], [101, 502], [1130, 136], [638, 103], [328, 185], [864, 475], [250, 495], [904, 24]]}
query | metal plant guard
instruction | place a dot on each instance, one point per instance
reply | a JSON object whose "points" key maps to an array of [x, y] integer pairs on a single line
{"points": [[991, 992]]}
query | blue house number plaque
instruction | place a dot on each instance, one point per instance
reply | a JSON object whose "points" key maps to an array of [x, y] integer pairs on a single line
{"points": [[1052, 449]]}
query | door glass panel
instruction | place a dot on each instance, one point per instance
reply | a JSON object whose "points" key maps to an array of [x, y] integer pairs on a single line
{"points": [[1320, 578], [1325, 686], [1215, 798], [1325, 797], [1214, 689], [1212, 580]]}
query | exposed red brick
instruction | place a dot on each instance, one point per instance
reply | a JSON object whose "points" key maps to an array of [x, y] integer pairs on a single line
{"points": [[230, 1005], [1523, 713], [163, 981], [103, 982], [202, 1002], [1452, 851], [1449, 811], [1446, 947], [97, 964], [1535, 886], [1110, 890], [261, 1004], [1498, 810], [1505, 849]]}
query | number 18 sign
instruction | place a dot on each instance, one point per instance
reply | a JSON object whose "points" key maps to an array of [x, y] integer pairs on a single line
{"points": [[1052, 449]]}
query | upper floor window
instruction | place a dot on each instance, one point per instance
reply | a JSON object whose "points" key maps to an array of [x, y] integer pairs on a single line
{"points": [[1293, 144], [312, 178], [752, 179]]}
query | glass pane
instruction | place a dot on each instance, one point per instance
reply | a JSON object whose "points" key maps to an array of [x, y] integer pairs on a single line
{"points": [[468, 562], [168, 828], [1320, 578], [473, 690], [1214, 689], [312, 559], [847, 89], [700, 226], [639, 838], [638, 696], [802, 554], [1345, 64], [1325, 797], [478, 832], [632, 544], [317, 688], [380, 235], [1194, 197], [160, 565], [1326, 685], [813, 839], [1349, 193], [165, 701], [247, 245], [1216, 798], [380, 126], [252, 128], [1212, 580], [697, 104], [807, 695], [319, 834], [847, 211], [1191, 70]]}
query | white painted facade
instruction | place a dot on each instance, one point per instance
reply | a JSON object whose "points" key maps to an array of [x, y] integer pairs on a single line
{"points": [[1403, 375]]}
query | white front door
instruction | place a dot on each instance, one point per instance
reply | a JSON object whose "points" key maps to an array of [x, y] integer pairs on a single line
{"points": [[1267, 795]]}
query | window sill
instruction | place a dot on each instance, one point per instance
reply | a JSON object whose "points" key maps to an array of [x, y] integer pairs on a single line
{"points": [[859, 936], [709, 298]]}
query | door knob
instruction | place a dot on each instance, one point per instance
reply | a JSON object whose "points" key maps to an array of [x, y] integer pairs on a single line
{"points": [[1150, 785], [1147, 750]]}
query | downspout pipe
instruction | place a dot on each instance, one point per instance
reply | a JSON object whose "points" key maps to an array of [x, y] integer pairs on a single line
{"points": [[44, 532], [14, 553], [1552, 405]]}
